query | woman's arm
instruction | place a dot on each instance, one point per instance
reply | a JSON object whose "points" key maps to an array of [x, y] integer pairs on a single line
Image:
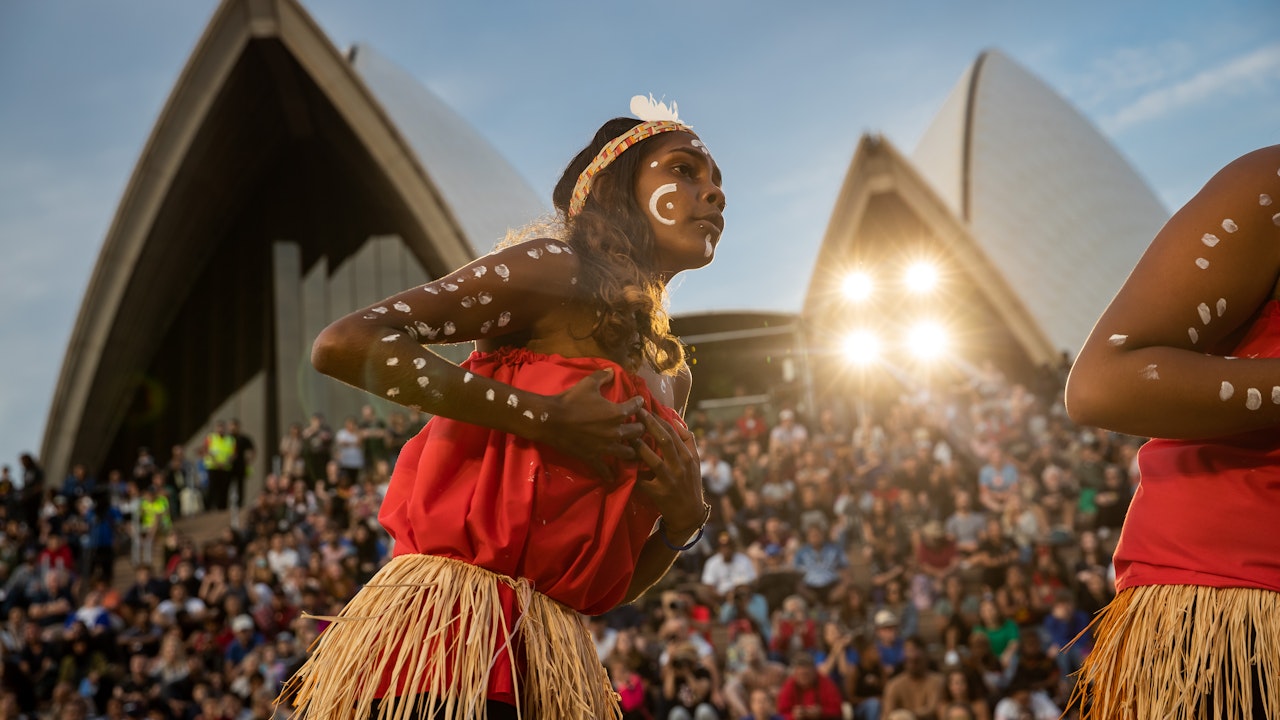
{"points": [[1152, 365], [380, 349]]}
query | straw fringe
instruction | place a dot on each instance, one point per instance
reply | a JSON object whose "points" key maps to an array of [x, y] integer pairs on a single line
{"points": [[1183, 652], [450, 614]]}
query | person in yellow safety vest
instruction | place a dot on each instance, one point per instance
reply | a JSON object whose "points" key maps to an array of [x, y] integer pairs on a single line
{"points": [[156, 519], [219, 453]]}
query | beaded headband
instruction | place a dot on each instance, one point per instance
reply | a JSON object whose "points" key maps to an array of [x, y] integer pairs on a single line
{"points": [[657, 117]]}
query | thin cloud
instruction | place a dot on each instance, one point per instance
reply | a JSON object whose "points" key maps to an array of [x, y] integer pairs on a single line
{"points": [[1258, 67]]}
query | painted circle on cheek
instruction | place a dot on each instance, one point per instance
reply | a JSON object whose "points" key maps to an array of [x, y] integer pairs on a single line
{"points": [[653, 202]]}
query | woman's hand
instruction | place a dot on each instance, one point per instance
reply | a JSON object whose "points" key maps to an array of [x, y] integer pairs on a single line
{"points": [[586, 425], [675, 485]]}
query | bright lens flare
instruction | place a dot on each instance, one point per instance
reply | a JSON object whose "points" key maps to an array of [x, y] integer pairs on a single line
{"points": [[857, 286], [861, 347], [921, 277], [927, 340]]}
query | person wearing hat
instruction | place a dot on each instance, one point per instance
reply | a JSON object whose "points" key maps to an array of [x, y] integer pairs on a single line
{"points": [[807, 694], [888, 641]]}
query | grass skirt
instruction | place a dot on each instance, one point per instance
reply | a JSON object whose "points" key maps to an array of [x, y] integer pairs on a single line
{"points": [[1183, 652], [448, 617]]}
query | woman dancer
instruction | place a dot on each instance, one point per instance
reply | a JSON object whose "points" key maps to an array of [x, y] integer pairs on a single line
{"points": [[532, 496], [1189, 353]]}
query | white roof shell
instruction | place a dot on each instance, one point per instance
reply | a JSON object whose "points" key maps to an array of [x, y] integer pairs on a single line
{"points": [[1055, 207]]}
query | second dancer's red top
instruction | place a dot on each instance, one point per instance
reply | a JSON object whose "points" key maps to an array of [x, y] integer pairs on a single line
{"points": [[1207, 512]]}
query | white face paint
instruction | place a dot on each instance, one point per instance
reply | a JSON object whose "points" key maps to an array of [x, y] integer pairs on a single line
{"points": [[653, 164], [503, 272], [708, 248], [419, 363], [1209, 239], [392, 392], [1226, 391], [1202, 263], [1253, 399], [391, 338], [1150, 372], [1264, 199], [1230, 225], [392, 362], [1205, 315], [653, 202], [423, 381], [1194, 335], [1222, 306], [489, 395], [402, 307], [1117, 340]]}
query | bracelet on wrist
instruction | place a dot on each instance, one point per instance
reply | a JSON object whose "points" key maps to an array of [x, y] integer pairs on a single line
{"points": [[702, 527]]}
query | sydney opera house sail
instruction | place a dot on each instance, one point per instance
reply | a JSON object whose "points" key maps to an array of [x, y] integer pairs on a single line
{"points": [[284, 184]]}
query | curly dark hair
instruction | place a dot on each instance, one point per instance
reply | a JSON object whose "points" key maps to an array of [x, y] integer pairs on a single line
{"points": [[615, 247]]}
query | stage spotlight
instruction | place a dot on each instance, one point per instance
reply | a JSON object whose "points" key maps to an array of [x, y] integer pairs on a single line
{"points": [[921, 277], [927, 340], [861, 347], [857, 286]]}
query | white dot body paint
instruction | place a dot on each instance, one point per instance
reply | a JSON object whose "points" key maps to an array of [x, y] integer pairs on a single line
{"points": [[479, 271], [698, 144], [380, 310], [486, 326], [554, 249], [450, 287], [431, 289], [392, 362], [543, 417], [369, 317], [653, 202], [1276, 219], [484, 298], [1117, 339], [467, 377], [449, 328], [1222, 306], [426, 330], [1264, 199], [460, 279], [1275, 395], [419, 363], [502, 271], [534, 253], [1209, 239], [528, 414], [513, 401], [707, 248], [1151, 372], [392, 392], [1194, 335], [653, 164], [391, 338], [1253, 398], [1202, 263], [1226, 391], [402, 307], [1230, 225], [573, 280], [1205, 315], [423, 381], [468, 301], [503, 319]]}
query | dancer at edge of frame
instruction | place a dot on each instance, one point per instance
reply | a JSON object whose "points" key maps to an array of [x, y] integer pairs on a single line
{"points": [[1188, 353], [557, 478]]}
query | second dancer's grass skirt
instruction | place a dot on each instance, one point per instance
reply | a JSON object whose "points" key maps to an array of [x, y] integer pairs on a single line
{"points": [[438, 626], [1184, 652]]}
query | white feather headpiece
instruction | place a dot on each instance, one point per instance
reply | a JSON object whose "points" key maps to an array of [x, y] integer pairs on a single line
{"points": [[646, 108]]}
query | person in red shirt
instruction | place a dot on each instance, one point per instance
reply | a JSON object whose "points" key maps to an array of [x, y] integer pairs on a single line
{"points": [[556, 479], [1188, 353], [807, 694]]}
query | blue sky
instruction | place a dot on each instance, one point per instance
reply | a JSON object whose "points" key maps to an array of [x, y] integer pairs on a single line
{"points": [[781, 93]]}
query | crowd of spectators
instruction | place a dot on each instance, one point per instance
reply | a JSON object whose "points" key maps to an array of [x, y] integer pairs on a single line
{"points": [[930, 558]]}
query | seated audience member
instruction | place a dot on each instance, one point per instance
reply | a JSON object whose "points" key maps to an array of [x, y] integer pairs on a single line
{"points": [[1021, 703], [763, 706], [916, 688], [728, 567], [821, 564], [807, 695]]}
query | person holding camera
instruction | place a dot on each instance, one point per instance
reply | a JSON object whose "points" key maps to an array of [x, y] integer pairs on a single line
{"points": [[687, 685]]}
